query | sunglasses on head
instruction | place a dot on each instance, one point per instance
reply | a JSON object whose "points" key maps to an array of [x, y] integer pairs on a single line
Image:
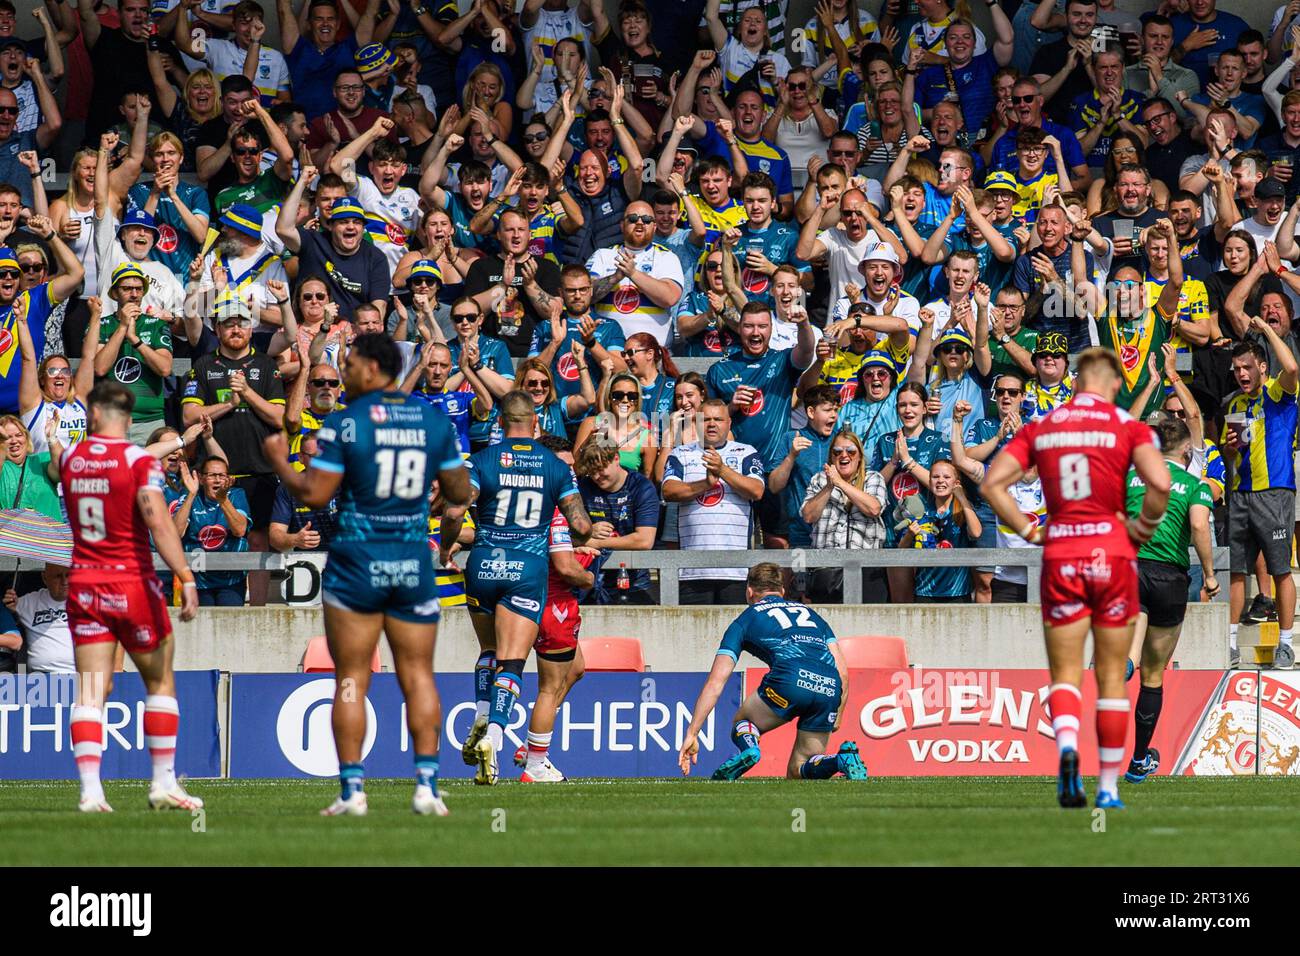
{"points": [[323, 382], [643, 219], [624, 396]]}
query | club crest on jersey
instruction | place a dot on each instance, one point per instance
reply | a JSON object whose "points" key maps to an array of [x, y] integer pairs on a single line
{"points": [[168, 241], [537, 247], [395, 234], [507, 459], [1130, 356], [712, 497], [378, 414], [627, 298], [713, 341], [848, 391], [567, 366]]}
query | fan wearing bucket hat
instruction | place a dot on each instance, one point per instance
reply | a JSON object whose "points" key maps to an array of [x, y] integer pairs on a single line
{"points": [[375, 62], [132, 242], [247, 265], [879, 274], [871, 413], [392, 210], [226, 57], [135, 349], [1053, 384], [954, 378], [356, 271]]}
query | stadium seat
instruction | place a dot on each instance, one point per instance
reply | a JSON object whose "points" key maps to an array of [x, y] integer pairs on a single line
{"points": [[316, 659], [869, 650], [613, 654]]}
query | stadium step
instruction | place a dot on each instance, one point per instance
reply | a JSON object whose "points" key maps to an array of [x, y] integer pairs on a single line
{"points": [[1258, 652]]}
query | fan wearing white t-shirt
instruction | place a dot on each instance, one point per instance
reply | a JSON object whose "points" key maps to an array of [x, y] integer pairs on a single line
{"points": [[43, 615], [392, 211], [636, 283], [227, 57], [845, 247], [715, 482]]}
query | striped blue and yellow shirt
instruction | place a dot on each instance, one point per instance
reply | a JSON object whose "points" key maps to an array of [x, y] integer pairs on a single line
{"points": [[1269, 436], [717, 221], [451, 582]]}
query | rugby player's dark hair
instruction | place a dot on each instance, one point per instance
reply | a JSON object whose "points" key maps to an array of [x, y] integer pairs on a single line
{"points": [[112, 397], [380, 349], [1172, 432]]}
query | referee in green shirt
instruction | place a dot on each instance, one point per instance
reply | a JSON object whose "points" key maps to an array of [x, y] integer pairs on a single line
{"points": [[1163, 580]]}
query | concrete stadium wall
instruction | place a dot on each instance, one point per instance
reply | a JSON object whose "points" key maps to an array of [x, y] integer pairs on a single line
{"points": [[267, 640]]}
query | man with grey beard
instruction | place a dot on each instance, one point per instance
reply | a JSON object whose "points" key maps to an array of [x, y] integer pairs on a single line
{"points": [[244, 265]]}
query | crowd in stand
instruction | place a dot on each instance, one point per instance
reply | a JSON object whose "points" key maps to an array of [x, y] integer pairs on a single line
{"points": [[890, 229]]}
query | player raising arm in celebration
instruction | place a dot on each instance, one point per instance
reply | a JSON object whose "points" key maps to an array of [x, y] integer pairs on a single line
{"points": [[1083, 451], [113, 491], [518, 484], [380, 456], [807, 679]]}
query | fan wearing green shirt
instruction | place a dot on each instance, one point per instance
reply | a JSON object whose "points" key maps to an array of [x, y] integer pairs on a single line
{"points": [[135, 349], [1163, 579], [30, 481]]}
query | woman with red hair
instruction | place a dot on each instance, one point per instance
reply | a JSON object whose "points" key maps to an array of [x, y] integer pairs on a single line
{"points": [[656, 374]]}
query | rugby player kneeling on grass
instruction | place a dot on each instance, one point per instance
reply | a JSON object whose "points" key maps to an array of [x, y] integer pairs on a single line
{"points": [[807, 679]]}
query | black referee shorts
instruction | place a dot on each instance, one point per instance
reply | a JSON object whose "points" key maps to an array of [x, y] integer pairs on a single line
{"points": [[1162, 591]]}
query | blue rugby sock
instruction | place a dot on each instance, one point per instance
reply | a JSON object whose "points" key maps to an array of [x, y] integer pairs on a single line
{"points": [[484, 671], [426, 771], [820, 767], [744, 735], [505, 691], [352, 779]]}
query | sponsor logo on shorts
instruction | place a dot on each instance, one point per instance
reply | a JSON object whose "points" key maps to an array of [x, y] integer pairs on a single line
{"points": [[818, 684], [390, 574], [1116, 608], [112, 602], [426, 608], [499, 569], [1061, 611], [1280, 534], [143, 634], [775, 698], [526, 603], [89, 629]]}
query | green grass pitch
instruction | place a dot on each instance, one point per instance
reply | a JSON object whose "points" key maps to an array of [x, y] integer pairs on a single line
{"points": [[891, 821]]}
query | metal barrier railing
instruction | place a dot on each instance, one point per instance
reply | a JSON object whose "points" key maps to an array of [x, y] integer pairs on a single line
{"points": [[668, 562]]}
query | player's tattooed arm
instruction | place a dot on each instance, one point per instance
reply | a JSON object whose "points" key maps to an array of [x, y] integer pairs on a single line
{"points": [[575, 512]]}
